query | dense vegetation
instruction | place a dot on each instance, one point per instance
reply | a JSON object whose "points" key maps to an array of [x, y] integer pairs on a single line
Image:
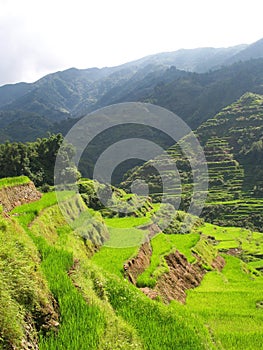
{"points": [[35, 159], [93, 312], [56, 266]]}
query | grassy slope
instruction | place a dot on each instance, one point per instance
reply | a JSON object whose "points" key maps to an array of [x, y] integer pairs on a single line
{"points": [[106, 312], [112, 318], [23, 289], [229, 303], [75, 314], [180, 332]]}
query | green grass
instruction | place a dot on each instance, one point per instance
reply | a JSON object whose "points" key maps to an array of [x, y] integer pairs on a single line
{"points": [[235, 237], [13, 181], [112, 259], [125, 237], [129, 221], [27, 212], [158, 326], [132, 221], [47, 200], [162, 245], [23, 289], [108, 313], [123, 244], [80, 323], [227, 302]]}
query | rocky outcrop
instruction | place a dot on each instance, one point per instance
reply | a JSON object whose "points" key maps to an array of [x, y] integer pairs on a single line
{"points": [[13, 196]]}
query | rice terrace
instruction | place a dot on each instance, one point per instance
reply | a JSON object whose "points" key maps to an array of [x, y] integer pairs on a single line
{"points": [[131, 196]]}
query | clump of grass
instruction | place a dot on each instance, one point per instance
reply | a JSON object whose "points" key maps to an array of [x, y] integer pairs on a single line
{"points": [[13, 181]]}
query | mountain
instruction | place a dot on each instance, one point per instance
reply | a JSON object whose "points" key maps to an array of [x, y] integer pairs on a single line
{"points": [[252, 51], [194, 97], [198, 60], [11, 92], [241, 125], [233, 145], [188, 82]]}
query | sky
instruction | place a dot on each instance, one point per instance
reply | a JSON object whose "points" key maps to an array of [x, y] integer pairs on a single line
{"points": [[39, 37]]}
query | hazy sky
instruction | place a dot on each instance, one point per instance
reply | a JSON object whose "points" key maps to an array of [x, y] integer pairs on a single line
{"points": [[38, 37]]}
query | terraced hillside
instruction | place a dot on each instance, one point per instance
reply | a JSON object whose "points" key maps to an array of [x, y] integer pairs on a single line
{"points": [[54, 297], [233, 146], [60, 290], [226, 175], [241, 124]]}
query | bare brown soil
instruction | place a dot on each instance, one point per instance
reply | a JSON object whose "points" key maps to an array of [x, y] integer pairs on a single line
{"points": [[172, 285], [11, 197]]}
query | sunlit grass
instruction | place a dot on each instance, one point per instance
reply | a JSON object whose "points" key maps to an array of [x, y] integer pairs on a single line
{"points": [[80, 323], [227, 302], [158, 326], [127, 222], [13, 181]]}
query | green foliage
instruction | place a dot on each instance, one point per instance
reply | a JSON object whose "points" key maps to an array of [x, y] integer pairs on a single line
{"points": [[232, 143], [77, 318], [227, 303], [173, 222], [248, 243], [99, 308], [112, 259], [36, 159], [241, 125], [123, 244], [34, 208], [116, 202], [246, 212]]}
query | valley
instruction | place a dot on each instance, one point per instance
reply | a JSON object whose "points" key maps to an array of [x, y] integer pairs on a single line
{"points": [[88, 264]]}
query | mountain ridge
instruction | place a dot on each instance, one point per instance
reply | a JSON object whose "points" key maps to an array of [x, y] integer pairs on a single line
{"points": [[51, 102]]}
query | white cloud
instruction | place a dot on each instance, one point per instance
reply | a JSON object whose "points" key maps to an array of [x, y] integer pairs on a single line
{"points": [[37, 37]]}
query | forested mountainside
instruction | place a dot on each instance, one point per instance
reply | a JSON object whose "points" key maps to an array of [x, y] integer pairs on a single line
{"points": [[171, 80]]}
